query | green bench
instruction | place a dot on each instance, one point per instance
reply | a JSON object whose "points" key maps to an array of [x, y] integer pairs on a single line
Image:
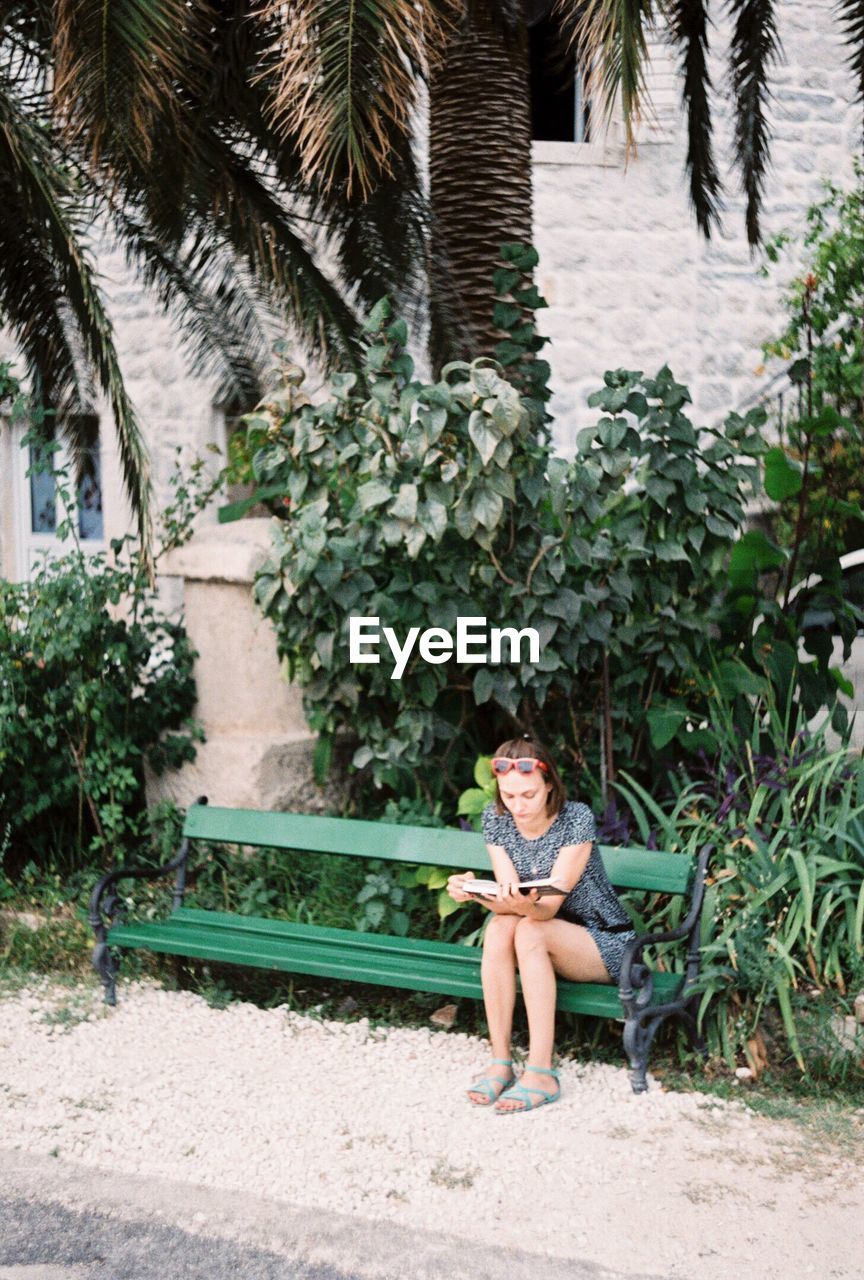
{"points": [[643, 999]]}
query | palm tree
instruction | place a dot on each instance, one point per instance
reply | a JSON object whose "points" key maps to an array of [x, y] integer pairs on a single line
{"points": [[146, 118], [227, 147], [351, 71], [472, 56], [479, 172]]}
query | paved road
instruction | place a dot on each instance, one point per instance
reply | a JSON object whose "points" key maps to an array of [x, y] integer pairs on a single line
{"points": [[45, 1241], [60, 1221]]}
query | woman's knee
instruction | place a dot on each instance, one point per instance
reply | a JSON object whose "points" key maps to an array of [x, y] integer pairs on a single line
{"points": [[500, 932], [530, 934]]}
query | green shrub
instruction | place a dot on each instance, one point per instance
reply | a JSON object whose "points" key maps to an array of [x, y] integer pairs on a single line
{"points": [[419, 502], [94, 678], [785, 580], [85, 693], [784, 908]]}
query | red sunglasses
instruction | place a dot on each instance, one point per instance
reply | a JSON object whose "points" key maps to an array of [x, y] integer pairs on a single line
{"points": [[526, 764]]}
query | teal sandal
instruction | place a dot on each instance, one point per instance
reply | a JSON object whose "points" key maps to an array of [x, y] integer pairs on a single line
{"points": [[519, 1092], [486, 1086]]}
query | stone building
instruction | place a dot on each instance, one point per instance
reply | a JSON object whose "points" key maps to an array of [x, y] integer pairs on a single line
{"points": [[630, 282]]}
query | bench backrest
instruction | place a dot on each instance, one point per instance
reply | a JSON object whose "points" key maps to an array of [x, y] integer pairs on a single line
{"points": [[631, 868]]}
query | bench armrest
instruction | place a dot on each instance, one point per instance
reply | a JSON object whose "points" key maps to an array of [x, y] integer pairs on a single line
{"points": [[634, 972], [107, 885]]}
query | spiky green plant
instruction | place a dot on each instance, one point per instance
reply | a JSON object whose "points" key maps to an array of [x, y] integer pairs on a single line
{"points": [[784, 907]]}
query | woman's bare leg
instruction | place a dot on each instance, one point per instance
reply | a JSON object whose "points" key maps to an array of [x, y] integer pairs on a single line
{"points": [[545, 948], [498, 975]]}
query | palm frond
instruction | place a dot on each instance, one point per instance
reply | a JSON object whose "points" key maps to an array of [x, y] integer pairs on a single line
{"points": [[688, 27], [166, 135], [116, 67], [380, 242], [32, 306], [218, 308], [44, 192], [611, 38], [377, 238], [850, 14], [754, 47], [344, 77], [251, 215]]}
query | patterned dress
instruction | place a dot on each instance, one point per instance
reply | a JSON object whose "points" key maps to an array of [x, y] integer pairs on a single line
{"points": [[592, 901]]}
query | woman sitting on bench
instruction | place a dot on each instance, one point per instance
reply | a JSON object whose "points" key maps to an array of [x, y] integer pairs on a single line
{"points": [[578, 931]]}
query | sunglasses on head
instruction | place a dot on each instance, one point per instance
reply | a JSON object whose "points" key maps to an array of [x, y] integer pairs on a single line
{"points": [[526, 764]]}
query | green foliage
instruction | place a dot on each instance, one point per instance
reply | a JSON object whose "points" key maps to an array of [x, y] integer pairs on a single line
{"points": [[784, 906], [84, 694], [473, 801], [416, 503], [93, 679], [814, 473], [384, 898], [61, 945], [785, 598]]}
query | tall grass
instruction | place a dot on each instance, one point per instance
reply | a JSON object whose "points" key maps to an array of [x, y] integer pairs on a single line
{"points": [[784, 906]]}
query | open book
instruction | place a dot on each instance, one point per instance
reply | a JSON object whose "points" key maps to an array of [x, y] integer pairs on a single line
{"points": [[489, 888]]}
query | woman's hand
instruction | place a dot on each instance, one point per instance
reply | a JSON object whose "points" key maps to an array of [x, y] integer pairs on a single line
{"points": [[508, 902], [524, 903], [519, 903], [454, 888]]}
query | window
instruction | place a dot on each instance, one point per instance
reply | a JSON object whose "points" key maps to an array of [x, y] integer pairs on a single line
{"points": [[91, 526], [43, 497], [559, 108], [36, 497], [88, 484]]}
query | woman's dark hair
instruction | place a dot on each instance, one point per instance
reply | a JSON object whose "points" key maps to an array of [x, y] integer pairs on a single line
{"points": [[514, 749]]}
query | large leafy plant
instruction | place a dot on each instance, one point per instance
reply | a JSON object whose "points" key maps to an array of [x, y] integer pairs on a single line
{"points": [[94, 677], [419, 502], [786, 580]]}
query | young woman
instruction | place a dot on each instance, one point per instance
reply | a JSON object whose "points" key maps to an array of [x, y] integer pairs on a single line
{"points": [[532, 832]]}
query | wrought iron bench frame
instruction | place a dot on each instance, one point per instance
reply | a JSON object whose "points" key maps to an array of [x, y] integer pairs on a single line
{"points": [[638, 984]]}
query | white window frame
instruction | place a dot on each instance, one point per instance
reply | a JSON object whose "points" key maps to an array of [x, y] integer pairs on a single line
{"points": [[31, 547]]}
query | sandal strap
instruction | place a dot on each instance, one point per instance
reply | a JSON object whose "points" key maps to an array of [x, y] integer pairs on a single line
{"points": [[541, 1071], [519, 1092], [504, 1062], [486, 1087], [486, 1079], [524, 1088]]}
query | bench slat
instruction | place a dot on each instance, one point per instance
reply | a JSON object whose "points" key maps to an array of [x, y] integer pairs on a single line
{"points": [[630, 868], [417, 947], [450, 970]]}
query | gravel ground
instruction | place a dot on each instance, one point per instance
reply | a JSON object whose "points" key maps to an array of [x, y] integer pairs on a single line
{"points": [[372, 1123]]}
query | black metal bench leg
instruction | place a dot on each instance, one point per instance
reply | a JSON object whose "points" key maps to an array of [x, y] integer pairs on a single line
{"points": [[639, 1033], [107, 964]]}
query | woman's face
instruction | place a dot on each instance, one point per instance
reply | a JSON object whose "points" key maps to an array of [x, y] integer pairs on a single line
{"points": [[524, 794]]}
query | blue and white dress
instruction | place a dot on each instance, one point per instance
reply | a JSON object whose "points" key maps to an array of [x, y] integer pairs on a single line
{"points": [[592, 901]]}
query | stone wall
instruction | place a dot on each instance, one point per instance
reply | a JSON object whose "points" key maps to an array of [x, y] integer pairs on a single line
{"points": [[258, 748], [629, 279]]}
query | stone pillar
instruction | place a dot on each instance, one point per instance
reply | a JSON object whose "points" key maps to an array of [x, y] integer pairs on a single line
{"points": [[258, 752]]}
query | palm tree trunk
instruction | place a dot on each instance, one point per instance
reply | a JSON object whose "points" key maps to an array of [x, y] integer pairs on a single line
{"points": [[480, 176]]}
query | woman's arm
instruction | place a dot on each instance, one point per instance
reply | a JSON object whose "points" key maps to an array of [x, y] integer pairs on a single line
{"points": [[505, 874], [567, 872]]}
